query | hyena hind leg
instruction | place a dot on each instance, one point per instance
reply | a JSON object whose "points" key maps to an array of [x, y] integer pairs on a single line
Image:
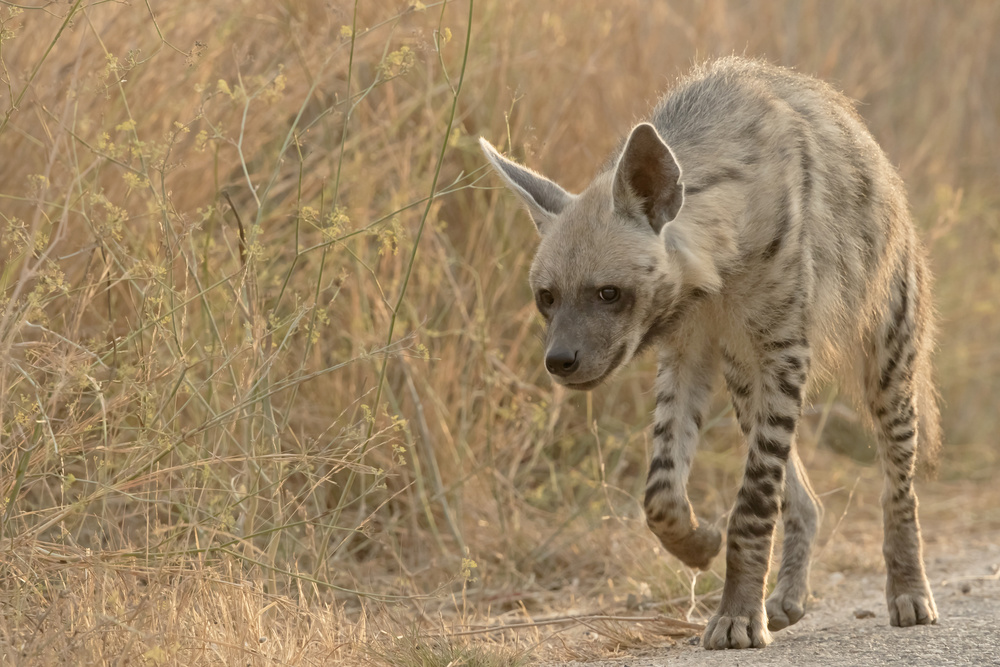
{"points": [[802, 513], [897, 376]]}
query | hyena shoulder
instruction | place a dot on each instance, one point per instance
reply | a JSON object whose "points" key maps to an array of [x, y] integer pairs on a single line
{"points": [[787, 196]]}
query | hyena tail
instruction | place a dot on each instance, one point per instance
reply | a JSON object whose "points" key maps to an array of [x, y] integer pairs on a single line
{"points": [[929, 421], [925, 395]]}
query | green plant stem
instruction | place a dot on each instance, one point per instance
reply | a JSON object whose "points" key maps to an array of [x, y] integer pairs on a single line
{"points": [[413, 255]]}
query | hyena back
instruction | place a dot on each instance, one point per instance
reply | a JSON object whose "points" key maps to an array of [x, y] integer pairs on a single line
{"points": [[754, 224]]}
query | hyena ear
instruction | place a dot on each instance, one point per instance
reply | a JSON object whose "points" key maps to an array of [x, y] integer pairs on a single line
{"points": [[648, 178], [543, 198]]}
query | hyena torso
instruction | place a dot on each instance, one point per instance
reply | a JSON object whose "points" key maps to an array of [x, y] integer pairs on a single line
{"points": [[752, 224]]}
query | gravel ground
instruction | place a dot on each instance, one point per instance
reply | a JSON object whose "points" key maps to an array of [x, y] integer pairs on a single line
{"points": [[847, 623]]}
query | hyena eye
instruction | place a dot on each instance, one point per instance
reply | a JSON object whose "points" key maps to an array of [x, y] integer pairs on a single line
{"points": [[545, 297], [609, 294]]}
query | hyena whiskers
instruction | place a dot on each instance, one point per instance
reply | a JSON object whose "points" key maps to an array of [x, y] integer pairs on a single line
{"points": [[752, 226]]}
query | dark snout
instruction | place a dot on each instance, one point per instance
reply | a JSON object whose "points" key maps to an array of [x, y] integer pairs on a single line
{"points": [[562, 361], [575, 357]]}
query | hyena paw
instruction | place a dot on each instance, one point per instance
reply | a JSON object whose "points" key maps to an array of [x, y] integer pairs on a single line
{"points": [[912, 607], [784, 608], [697, 548], [737, 631]]}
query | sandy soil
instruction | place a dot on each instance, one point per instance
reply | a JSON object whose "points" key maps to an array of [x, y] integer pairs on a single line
{"points": [[847, 622]]}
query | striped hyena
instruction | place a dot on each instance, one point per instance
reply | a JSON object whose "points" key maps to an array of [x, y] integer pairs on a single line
{"points": [[753, 221]]}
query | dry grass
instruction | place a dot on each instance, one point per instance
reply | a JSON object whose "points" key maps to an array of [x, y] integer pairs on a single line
{"points": [[270, 387]]}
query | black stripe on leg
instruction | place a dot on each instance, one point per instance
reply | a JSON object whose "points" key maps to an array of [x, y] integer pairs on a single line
{"points": [[750, 504], [661, 462], [906, 372], [895, 329], [782, 422], [761, 468], [886, 378], [907, 416], [794, 363], [755, 529], [655, 489], [902, 457], [903, 437], [663, 429], [766, 487], [664, 398], [773, 447], [904, 302], [790, 389], [902, 493]]}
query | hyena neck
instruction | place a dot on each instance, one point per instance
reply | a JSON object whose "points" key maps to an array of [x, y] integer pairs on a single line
{"points": [[701, 253], [677, 305]]}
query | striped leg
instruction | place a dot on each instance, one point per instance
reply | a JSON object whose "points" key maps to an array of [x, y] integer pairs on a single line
{"points": [[801, 510], [683, 385], [767, 393], [899, 369]]}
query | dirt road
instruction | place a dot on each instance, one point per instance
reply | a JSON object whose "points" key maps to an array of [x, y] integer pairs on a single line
{"points": [[965, 578]]}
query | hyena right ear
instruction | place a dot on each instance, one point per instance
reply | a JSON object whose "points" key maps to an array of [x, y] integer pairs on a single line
{"points": [[544, 199], [648, 178]]}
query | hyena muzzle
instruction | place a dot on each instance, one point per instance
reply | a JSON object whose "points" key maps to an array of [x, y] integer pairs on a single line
{"points": [[754, 224]]}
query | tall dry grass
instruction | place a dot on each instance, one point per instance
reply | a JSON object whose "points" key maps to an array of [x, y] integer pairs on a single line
{"points": [[269, 372]]}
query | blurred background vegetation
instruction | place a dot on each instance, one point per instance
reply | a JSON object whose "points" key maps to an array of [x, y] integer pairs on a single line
{"points": [[269, 365]]}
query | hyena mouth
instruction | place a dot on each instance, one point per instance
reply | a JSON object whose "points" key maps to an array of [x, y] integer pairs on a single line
{"points": [[612, 367]]}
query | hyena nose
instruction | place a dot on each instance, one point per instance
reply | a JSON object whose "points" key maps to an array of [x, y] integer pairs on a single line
{"points": [[562, 362]]}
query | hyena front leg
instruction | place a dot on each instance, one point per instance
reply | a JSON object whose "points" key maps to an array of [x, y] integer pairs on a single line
{"points": [[683, 385], [767, 394], [801, 512], [897, 371]]}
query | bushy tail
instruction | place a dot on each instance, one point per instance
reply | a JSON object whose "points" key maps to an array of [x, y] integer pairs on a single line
{"points": [[929, 434]]}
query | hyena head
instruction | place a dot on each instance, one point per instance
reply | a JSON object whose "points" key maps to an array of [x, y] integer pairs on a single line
{"points": [[602, 276]]}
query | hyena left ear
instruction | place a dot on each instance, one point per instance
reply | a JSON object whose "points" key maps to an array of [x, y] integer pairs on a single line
{"points": [[544, 199], [648, 178]]}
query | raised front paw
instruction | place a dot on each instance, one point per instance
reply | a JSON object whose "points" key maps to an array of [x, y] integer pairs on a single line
{"points": [[913, 607], [696, 549], [749, 631]]}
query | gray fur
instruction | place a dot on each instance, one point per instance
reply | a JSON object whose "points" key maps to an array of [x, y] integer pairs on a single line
{"points": [[754, 222]]}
